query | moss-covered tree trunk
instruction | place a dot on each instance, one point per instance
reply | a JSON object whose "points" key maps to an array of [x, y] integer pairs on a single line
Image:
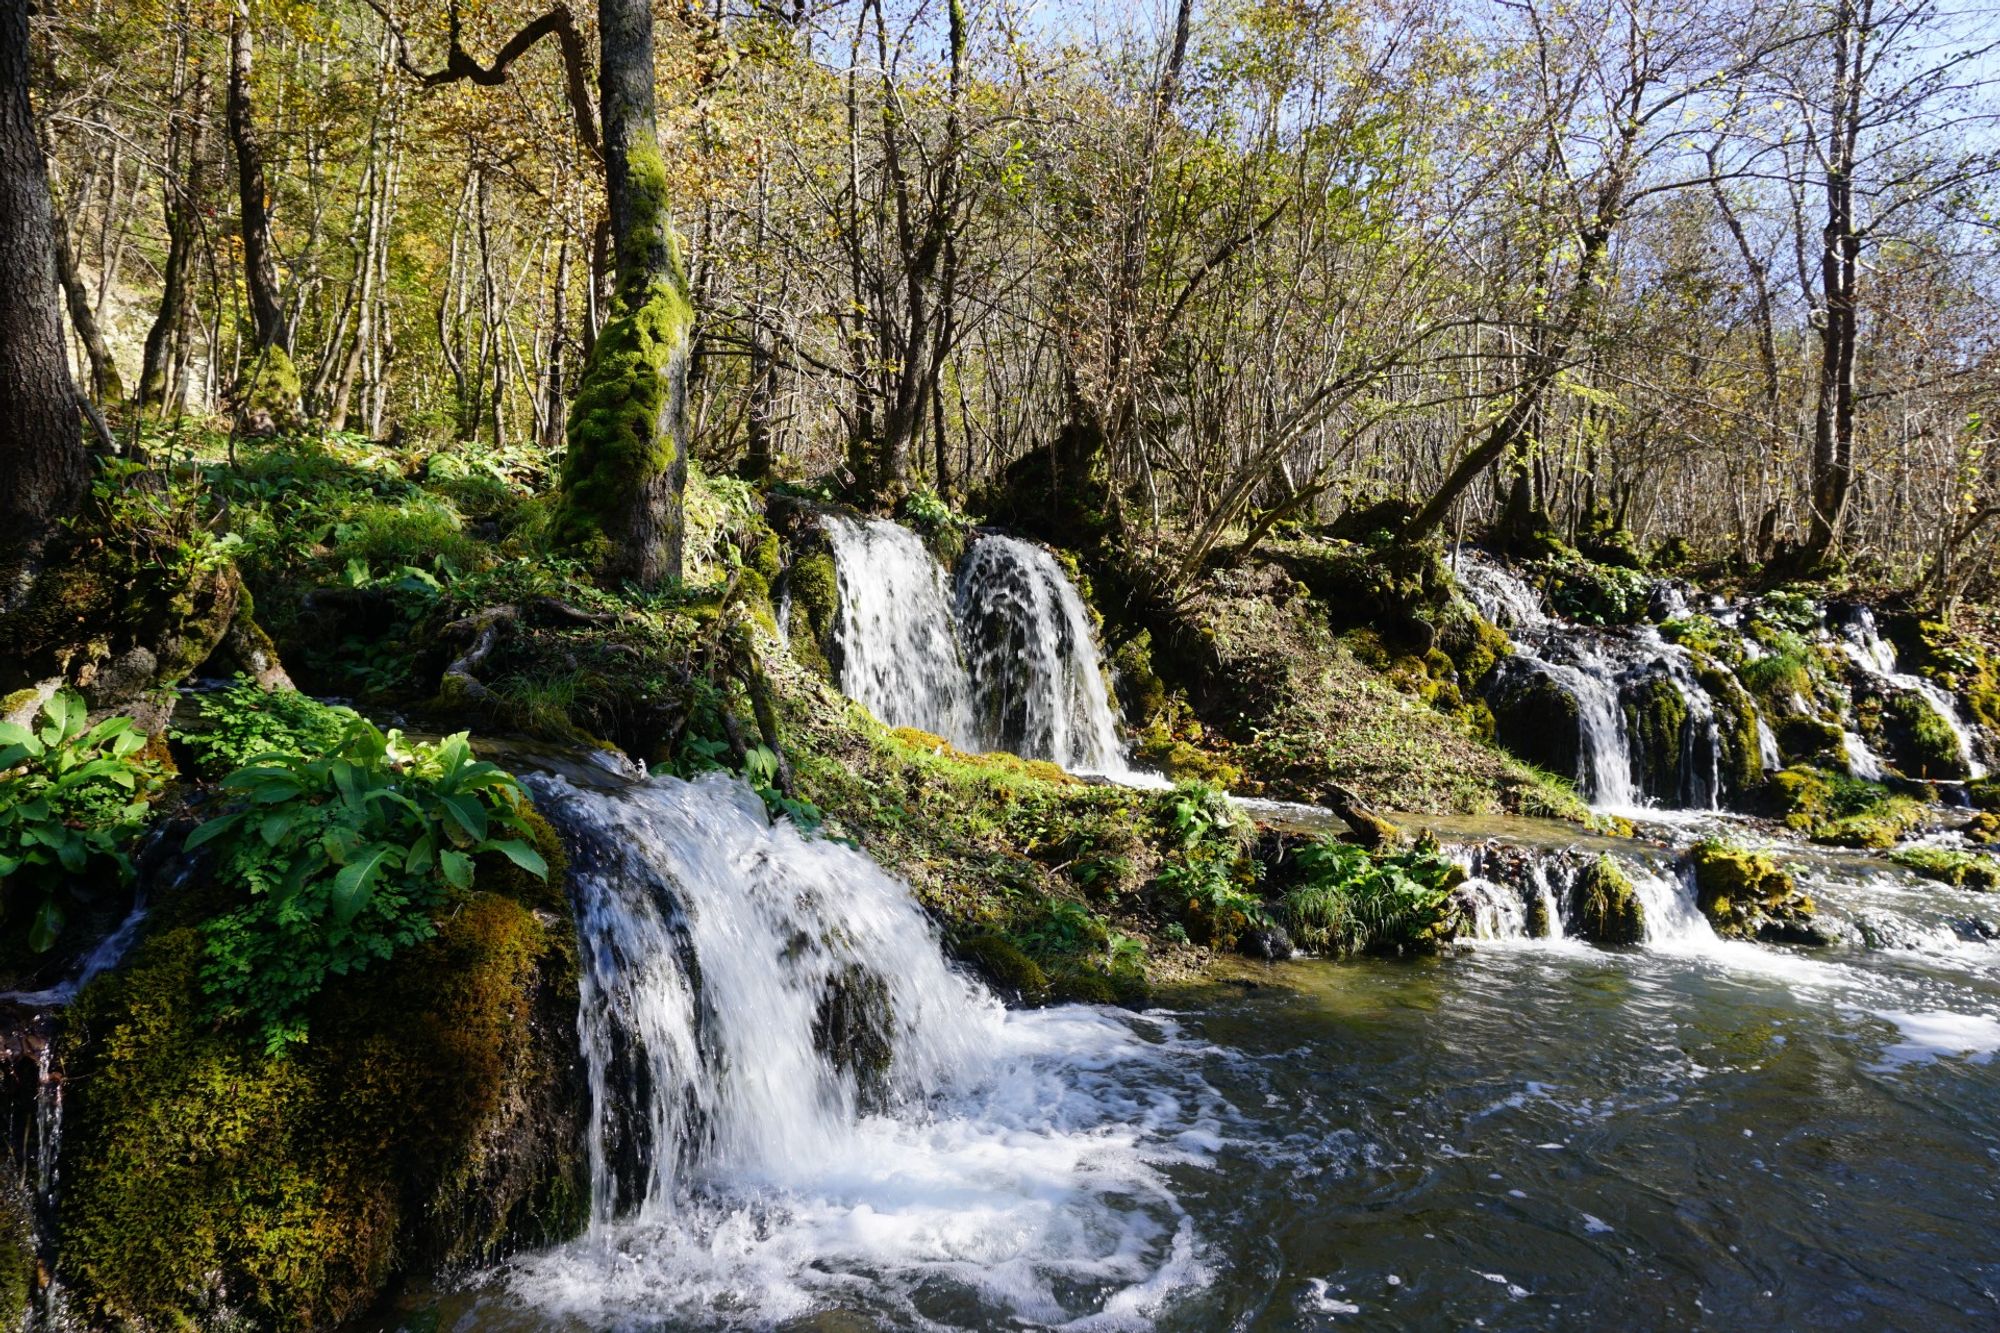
{"points": [[627, 460], [44, 470], [270, 387]]}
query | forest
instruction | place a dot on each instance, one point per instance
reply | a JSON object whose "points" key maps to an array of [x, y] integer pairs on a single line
{"points": [[877, 664]]}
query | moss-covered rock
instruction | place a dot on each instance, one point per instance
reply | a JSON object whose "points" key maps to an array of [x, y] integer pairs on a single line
{"points": [[1810, 740], [1923, 742], [1962, 870], [1535, 717], [434, 1119], [1655, 716], [1606, 908], [1746, 895], [1005, 967], [813, 583], [1736, 719]]}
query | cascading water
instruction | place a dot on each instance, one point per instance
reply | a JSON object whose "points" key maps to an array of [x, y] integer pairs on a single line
{"points": [[1514, 892], [1875, 657], [896, 638], [1008, 663], [1037, 681], [797, 1101]]}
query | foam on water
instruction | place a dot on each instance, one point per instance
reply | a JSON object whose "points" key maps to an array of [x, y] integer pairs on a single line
{"points": [[744, 1171]]}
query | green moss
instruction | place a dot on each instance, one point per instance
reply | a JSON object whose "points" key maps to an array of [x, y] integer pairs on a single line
{"points": [[432, 1120], [1984, 793], [1006, 967], [1930, 746], [1963, 870], [1833, 808], [20, 1266], [1736, 716], [270, 387], [1811, 740], [1608, 908], [1535, 718], [1655, 715], [814, 584], [1746, 895], [623, 429]]}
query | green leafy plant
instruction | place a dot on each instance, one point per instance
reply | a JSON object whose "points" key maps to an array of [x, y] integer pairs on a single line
{"points": [[1207, 880], [1352, 902], [71, 796], [344, 858], [243, 720], [760, 769]]}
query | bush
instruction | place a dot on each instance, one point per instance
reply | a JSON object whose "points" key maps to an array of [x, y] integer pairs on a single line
{"points": [[342, 860], [1352, 902], [1207, 876], [243, 721], [71, 797]]}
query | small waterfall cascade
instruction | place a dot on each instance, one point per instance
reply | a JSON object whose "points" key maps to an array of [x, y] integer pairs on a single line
{"points": [[896, 635], [796, 1098], [1037, 682], [1601, 672], [1513, 892], [32, 1084], [747, 991], [1007, 661], [1875, 657]]}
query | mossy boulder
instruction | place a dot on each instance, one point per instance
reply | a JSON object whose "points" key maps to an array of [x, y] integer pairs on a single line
{"points": [[1656, 715], [1606, 907], [813, 584], [1005, 967], [1961, 870], [1535, 717], [1736, 719], [433, 1120], [1811, 740], [1924, 743], [1746, 895]]}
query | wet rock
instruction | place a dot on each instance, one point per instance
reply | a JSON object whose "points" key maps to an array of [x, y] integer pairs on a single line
{"points": [[1746, 895], [1269, 943]]}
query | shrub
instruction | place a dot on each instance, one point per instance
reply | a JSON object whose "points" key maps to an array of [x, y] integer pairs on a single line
{"points": [[341, 860], [1353, 902], [242, 721], [71, 797]]}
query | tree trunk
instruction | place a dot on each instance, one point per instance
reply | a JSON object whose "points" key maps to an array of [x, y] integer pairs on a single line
{"points": [[270, 387], [626, 465], [181, 197], [104, 382], [1840, 269], [44, 469]]}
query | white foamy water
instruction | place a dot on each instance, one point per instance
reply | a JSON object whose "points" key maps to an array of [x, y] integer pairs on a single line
{"points": [[744, 1170], [1007, 662], [1875, 656], [899, 651]]}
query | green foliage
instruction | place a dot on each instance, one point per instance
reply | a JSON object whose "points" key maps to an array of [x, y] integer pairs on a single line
{"points": [[1964, 870], [1830, 807], [71, 797], [1698, 633], [341, 860], [1207, 877], [1595, 594], [243, 721], [760, 769], [1352, 902]]}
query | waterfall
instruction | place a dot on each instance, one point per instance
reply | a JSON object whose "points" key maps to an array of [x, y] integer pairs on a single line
{"points": [[1037, 682], [1875, 657], [898, 646], [1008, 663], [796, 1099], [1514, 892]]}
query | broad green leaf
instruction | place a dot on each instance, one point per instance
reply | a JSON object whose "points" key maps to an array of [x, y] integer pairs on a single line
{"points": [[468, 813], [524, 856], [212, 830], [356, 882], [457, 867], [47, 925]]}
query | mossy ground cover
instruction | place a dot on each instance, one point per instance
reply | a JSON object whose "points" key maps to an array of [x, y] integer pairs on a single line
{"points": [[428, 1120]]}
